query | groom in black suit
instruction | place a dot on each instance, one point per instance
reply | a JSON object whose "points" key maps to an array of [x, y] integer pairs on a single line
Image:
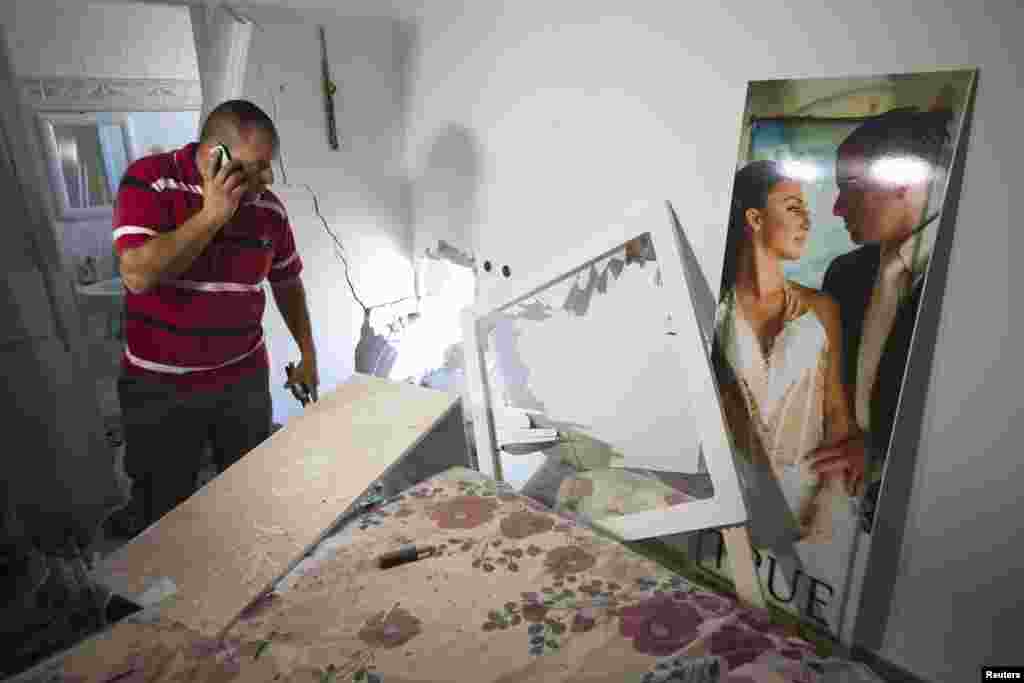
{"points": [[889, 172]]}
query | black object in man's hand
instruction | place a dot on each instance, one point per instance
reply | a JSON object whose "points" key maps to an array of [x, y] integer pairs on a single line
{"points": [[299, 389]]}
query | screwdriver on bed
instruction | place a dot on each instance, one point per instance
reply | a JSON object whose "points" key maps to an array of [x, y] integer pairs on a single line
{"points": [[404, 555]]}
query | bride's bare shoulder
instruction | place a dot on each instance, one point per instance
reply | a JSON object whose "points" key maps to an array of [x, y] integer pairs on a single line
{"points": [[823, 305]]}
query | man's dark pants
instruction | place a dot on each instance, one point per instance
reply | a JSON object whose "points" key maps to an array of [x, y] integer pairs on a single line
{"points": [[165, 430]]}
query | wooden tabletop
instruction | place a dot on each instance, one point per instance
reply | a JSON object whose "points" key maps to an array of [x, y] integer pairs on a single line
{"points": [[235, 537]]}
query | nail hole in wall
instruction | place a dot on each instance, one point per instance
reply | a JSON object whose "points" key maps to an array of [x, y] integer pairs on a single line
{"points": [[506, 271], [487, 266]]}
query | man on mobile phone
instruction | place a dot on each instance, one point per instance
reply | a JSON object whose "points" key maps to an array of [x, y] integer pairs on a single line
{"points": [[195, 244]]}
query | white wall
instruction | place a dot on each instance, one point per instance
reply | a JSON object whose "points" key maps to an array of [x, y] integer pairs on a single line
{"points": [[56, 420], [577, 108], [361, 187], [60, 38], [59, 471]]}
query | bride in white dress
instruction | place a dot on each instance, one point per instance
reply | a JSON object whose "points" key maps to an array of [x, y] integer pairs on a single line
{"points": [[778, 353]]}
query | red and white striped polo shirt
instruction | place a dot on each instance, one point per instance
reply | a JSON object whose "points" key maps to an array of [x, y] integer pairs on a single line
{"points": [[201, 330]]}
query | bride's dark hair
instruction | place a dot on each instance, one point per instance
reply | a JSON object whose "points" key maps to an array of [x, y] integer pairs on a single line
{"points": [[749, 191]]}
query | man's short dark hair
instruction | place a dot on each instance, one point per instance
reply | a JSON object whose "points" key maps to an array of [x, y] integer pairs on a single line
{"points": [[230, 119], [906, 132]]}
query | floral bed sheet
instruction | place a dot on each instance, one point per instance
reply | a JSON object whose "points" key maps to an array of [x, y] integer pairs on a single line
{"points": [[513, 593]]}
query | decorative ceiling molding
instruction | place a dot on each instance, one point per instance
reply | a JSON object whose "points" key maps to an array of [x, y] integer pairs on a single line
{"points": [[111, 94]]}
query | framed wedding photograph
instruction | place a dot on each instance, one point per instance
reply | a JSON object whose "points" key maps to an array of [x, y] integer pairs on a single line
{"points": [[837, 205]]}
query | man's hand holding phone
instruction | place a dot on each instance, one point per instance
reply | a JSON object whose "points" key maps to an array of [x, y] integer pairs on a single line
{"points": [[224, 183]]}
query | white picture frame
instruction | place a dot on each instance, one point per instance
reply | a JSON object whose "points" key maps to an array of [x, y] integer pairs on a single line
{"points": [[727, 508], [77, 100]]}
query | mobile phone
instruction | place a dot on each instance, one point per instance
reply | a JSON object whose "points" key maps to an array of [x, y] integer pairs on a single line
{"points": [[221, 157]]}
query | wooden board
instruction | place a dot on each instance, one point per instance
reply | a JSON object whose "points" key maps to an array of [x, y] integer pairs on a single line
{"points": [[240, 533]]}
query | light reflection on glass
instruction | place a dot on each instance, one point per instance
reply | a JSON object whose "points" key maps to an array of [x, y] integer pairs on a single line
{"points": [[900, 171], [801, 170]]}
